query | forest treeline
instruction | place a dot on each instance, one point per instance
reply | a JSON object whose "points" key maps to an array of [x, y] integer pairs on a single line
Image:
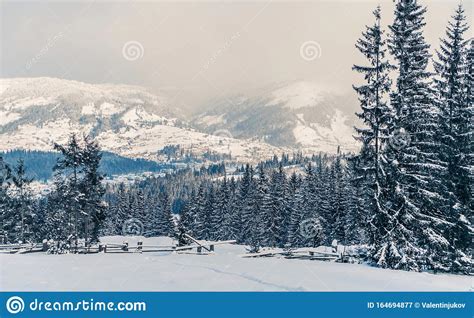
{"points": [[39, 164]]}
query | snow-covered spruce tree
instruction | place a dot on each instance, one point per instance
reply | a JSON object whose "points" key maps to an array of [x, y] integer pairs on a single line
{"points": [[292, 212], [109, 226], [234, 212], [368, 171], [79, 189], [58, 216], [281, 190], [153, 223], [307, 210], [320, 207], [254, 211], [68, 167], [453, 85], [244, 201], [338, 199], [166, 223], [38, 228], [5, 175], [120, 211], [324, 180], [297, 216], [206, 211], [273, 208], [93, 190], [5, 172], [197, 212], [185, 221], [357, 207], [220, 218], [413, 236], [22, 203], [137, 203]]}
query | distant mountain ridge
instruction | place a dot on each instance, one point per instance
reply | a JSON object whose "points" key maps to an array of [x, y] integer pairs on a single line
{"points": [[127, 120], [132, 122], [299, 115]]}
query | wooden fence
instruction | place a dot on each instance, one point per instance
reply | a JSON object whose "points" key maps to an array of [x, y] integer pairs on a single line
{"points": [[200, 248]]}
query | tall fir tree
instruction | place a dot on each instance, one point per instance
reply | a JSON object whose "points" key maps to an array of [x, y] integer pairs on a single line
{"points": [[338, 200], [370, 164], [166, 225], [255, 209], [358, 210], [58, 212], [206, 212], [69, 167], [455, 133], [5, 175], [234, 212], [197, 211], [273, 209], [245, 196], [413, 236], [79, 188], [153, 224], [221, 218], [92, 190], [292, 218], [187, 219], [120, 211]]}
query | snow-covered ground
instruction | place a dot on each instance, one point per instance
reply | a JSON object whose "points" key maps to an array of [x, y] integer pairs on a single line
{"points": [[223, 271]]}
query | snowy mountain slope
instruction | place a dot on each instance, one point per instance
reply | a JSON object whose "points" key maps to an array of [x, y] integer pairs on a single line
{"points": [[298, 115], [35, 112], [41, 101]]}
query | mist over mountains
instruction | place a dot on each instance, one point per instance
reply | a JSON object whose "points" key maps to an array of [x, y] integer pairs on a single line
{"points": [[298, 115]]}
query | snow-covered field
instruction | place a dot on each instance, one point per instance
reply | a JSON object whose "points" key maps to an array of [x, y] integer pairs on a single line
{"points": [[223, 271]]}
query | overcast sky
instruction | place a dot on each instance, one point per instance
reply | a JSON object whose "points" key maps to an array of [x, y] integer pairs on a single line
{"points": [[195, 49]]}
